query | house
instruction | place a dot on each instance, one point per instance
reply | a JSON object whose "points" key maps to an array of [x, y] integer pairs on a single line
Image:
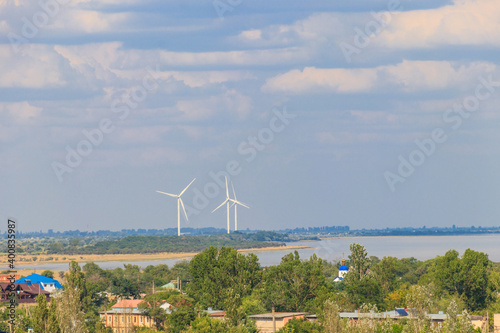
{"points": [[216, 314], [47, 284], [8, 277], [167, 307], [26, 293], [478, 322], [125, 315], [272, 322], [397, 314], [496, 323], [168, 286]]}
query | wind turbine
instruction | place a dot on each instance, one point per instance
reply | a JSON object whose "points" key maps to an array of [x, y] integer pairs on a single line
{"points": [[235, 204], [179, 204], [227, 203]]}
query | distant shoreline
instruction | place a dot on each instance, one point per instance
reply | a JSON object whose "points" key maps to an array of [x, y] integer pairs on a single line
{"points": [[401, 236], [42, 258]]}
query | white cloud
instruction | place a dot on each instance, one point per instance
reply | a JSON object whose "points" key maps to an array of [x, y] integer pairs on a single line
{"points": [[317, 28], [88, 21], [37, 66], [319, 80], [193, 79], [35, 19], [407, 76], [465, 22], [254, 34], [20, 112], [113, 55]]}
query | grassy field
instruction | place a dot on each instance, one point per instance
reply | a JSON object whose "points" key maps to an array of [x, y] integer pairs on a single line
{"points": [[23, 260]]}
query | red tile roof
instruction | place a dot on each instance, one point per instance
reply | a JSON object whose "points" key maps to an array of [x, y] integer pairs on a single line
{"points": [[128, 303]]}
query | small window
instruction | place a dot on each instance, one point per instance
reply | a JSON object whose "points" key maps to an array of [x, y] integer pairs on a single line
{"points": [[135, 319]]}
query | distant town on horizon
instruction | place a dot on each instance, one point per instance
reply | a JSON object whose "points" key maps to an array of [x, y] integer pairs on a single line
{"points": [[338, 231]]}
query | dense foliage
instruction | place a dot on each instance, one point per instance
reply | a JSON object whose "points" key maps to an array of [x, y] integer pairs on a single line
{"points": [[223, 279], [158, 244]]}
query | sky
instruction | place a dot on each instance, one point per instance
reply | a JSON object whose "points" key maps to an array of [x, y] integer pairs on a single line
{"points": [[369, 113]]}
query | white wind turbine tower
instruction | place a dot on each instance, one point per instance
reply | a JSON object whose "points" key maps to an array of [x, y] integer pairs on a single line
{"points": [[235, 204], [227, 203], [179, 204]]}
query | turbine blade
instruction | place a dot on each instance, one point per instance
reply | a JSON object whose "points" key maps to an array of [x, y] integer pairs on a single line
{"points": [[172, 195], [184, 209], [241, 204], [222, 204], [234, 193], [187, 187], [227, 189]]}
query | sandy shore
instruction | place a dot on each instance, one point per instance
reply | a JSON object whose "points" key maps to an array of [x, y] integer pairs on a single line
{"points": [[21, 259]]}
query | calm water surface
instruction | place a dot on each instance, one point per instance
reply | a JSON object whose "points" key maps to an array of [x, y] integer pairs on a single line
{"points": [[420, 247]]}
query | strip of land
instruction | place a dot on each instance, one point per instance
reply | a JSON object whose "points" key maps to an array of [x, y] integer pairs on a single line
{"points": [[24, 260]]}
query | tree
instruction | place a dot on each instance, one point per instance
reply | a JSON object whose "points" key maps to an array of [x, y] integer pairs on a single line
{"points": [[69, 311], [293, 284], [89, 297], [446, 271], [359, 260], [331, 319], [44, 317], [53, 325], [474, 279], [215, 271], [160, 274], [208, 325], [361, 287], [180, 318], [364, 291], [419, 301], [48, 274], [181, 270], [301, 326], [455, 322], [467, 277], [22, 322], [151, 305], [75, 279], [386, 272]]}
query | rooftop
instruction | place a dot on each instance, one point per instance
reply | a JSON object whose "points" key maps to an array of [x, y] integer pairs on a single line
{"points": [[37, 278], [128, 303], [278, 315]]}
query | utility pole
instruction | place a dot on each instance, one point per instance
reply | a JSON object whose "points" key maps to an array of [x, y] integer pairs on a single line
{"points": [[487, 328], [274, 319]]}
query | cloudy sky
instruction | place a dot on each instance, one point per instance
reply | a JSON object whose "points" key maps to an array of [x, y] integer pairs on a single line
{"points": [[371, 113]]}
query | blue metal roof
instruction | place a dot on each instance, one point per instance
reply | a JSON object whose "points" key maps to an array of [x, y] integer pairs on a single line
{"points": [[37, 278], [401, 311], [343, 268]]}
